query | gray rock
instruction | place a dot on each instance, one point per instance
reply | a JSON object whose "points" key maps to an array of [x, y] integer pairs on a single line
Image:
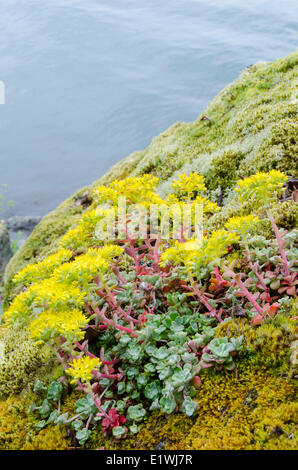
{"points": [[19, 223], [5, 248]]}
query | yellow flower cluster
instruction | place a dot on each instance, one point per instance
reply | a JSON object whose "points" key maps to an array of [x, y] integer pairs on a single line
{"points": [[180, 253], [193, 255], [261, 187], [242, 225], [135, 190], [208, 207], [82, 236], [66, 323], [42, 296], [42, 269], [189, 186], [87, 266], [53, 307], [53, 303], [218, 243], [81, 369]]}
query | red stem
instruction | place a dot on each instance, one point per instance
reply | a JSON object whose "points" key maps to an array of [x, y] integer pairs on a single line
{"points": [[249, 296], [280, 243], [111, 322]]}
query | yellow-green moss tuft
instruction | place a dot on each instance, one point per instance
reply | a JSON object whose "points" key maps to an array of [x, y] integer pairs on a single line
{"points": [[248, 409], [51, 438], [20, 359]]}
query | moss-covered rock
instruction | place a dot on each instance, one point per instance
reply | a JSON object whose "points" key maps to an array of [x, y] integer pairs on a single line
{"points": [[21, 360], [251, 122], [249, 409], [18, 431], [250, 126]]}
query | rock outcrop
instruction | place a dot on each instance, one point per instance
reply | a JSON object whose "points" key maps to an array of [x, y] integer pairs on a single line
{"points": [[5, 248], [251, 126]]}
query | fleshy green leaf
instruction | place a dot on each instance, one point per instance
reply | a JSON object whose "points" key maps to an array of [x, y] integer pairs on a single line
{"points": [[54, 391], [189, 406]]}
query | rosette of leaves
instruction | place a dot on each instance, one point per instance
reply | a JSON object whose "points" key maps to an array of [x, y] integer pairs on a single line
{"points": [[160, 364], [220, 352], [50, 412]]}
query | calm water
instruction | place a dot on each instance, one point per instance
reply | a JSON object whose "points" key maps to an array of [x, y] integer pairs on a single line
{"points": [[89, 81]]}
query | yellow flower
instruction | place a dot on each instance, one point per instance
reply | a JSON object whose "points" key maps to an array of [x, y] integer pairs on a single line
{"points": [[195, 256], [88, 266], [261, 187], [84, 267], [108, 252], [20, 308], [189, 185], [218, 243], [81, 369], [42, 269], [50, 324], [242, 225], [83, 235], [134, 189], [52, 294]]}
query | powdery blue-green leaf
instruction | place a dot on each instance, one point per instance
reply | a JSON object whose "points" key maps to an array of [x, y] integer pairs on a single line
{"points": [[39, 386], [45, 409], [161, 353], [134, 353], [189, 406], [149, 368], [85, 406], [77, 424], [136, 412], [134, 429], [40, 425], [152, 390], [54, 391], [53, 416], [167, 404], [142, 380], [83, 435], [121, 388], [118, 432], [62, 419]]}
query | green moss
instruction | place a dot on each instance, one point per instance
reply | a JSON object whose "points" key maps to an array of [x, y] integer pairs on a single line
{"points": [[285, 214], [20, 360], [248, 409], [268, 346], [51, 438], [14, 424], [252, 407], [17, 429], [224, 170], [279, 150]]}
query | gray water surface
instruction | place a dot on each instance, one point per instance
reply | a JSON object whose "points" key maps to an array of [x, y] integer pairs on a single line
{"points": [[89, 81]]}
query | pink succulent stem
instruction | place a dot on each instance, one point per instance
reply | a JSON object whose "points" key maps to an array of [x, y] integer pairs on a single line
{"points": [[82, 347], [131, 251], [203, 299], [111, 322], [259, 276], [117, 272], [218, 275], [100, 375], [99, 407], [249, 296], [280, 243], [113, 303], [155, 251]]}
